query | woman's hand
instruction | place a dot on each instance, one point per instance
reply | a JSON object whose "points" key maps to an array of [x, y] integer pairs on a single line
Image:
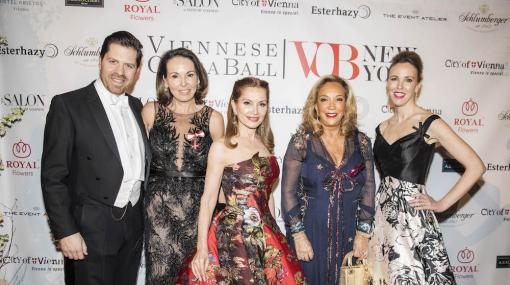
{"points": [[304, 250], [360, 246], [422, 201], [199, 264]]}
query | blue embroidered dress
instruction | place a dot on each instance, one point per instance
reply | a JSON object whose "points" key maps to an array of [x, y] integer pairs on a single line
{"points": [[328, 202]]}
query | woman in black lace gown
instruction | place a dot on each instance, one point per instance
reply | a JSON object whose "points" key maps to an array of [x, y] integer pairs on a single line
{"points": [[181, 130], [407, 245]]}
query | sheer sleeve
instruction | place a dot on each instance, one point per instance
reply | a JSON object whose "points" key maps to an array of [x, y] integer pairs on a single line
{"points": [[291, 182], [365, 216]]}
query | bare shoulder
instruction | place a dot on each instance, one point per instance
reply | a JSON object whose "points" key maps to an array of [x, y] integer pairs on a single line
{"points": [[218, 152], [384, 124]]}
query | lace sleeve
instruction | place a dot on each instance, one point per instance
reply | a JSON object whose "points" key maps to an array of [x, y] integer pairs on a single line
{"points": [[291, 182], [365, 216]]}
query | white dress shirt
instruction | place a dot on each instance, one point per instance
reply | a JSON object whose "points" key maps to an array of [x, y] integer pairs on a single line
{"points": [[128, 138]]}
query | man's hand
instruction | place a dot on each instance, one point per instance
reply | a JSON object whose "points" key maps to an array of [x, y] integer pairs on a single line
{"points": [[73, 246]]}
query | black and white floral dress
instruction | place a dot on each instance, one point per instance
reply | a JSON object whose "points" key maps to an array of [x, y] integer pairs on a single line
{"points": [[407, 245]]}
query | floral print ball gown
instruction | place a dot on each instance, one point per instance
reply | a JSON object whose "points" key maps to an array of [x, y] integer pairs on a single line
{"points": [[245, 244], [407, 245]]}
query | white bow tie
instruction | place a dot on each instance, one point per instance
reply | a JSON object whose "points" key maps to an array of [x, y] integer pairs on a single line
{"points": [[119, 99]]}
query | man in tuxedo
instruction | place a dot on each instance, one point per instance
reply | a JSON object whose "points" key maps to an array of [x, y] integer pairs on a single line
{"points": [[94, 165]]}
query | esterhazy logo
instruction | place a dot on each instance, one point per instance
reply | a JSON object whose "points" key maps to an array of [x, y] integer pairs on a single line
{"points": [[470, 108], [141, 10], [347, 60], [21, 149], [361, 12], [483, 20], [48, 50], [465, 255], [470, 122]]}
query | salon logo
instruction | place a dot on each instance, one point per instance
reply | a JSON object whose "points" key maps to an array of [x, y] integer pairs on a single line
{"points": [[28, 101], [142, 10], [483, 19], [21, 149], [470, 122], [200, 6]]}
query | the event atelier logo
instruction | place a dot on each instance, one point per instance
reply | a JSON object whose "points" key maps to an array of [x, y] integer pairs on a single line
{"points": [[484, 20], [465, 266], [415, 15], [350, 61], [205, 6], [361, 12], [141, 10], [225, 58], [85, 3], [49, 50], [469, 123], [271, 7]]}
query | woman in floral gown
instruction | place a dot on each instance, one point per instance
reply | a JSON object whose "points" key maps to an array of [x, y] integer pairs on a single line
{"points": [[181, 131], [328, 183], [243, 245], [407, 245]]}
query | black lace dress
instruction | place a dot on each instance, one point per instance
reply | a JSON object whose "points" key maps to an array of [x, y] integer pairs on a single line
{"points": [[179, 144]]}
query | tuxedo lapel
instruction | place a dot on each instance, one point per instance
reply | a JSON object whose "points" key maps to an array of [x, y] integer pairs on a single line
{"points": [[99, 114]]}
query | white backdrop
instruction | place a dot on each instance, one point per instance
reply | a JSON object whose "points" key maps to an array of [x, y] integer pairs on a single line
{"points": [[48, 47]]}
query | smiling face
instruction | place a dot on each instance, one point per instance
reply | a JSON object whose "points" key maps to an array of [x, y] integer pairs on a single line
{"points": [[117, 68], [331, 104], [251, 107], [181, 78], [402, 86]]}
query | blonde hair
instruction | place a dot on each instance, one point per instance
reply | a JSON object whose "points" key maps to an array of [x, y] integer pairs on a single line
{"points": [[349, 121], [264, 130]]}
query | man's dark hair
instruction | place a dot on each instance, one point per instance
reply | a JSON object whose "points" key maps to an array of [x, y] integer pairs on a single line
{"points": [[125, 39]]}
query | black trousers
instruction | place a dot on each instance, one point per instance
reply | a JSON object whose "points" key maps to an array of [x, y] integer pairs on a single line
{"points": [[114, 243]]}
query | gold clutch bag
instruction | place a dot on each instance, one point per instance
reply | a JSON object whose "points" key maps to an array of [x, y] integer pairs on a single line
{"points": [[356, 274]]}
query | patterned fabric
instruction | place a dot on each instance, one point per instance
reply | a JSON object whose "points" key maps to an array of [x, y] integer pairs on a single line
{"points": [[245, 244], [328, 202], [407, 245], [179, 145]]}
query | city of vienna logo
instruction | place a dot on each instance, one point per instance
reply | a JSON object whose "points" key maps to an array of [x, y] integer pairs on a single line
{"points": [[465, 255], [21, 149], [3, 41], [470, 108]]}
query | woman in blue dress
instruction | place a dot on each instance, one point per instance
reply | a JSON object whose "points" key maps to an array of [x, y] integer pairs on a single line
{"points": [[328, 183]]}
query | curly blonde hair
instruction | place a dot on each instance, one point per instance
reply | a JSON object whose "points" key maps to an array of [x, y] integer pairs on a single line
{"points": [[349, 121]]}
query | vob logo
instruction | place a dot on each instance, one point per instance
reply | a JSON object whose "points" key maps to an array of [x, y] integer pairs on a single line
{"points": [[470, 108], [465, 255], [21, 149]]}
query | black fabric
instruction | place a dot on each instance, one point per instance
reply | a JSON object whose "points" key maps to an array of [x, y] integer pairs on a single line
{"points": [[409, 157]]}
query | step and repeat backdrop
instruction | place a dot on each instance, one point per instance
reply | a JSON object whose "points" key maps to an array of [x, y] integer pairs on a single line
{"points": [[50, 47]]}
